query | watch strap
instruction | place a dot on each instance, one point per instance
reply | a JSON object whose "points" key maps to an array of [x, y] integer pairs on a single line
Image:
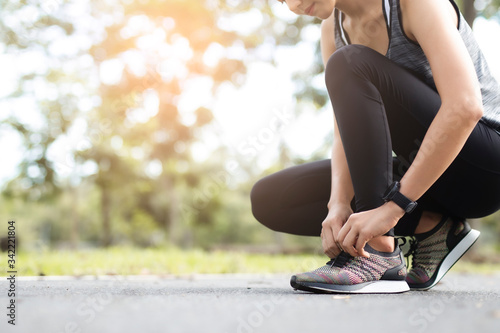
{"points": [[399, 199], [406, 204]]}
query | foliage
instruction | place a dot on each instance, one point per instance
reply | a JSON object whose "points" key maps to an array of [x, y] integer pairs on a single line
{"points": [[52, 88], [488, 8]]}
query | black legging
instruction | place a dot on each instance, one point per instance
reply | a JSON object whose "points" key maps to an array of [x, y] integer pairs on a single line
{"points": [[380, 107]]}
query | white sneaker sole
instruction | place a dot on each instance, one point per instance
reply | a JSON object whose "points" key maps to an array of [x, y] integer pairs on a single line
{"points": [[375, 287], [453, 257]]}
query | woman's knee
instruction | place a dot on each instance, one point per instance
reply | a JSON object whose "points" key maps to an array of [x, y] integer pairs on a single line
{"points": [[345, 61], [263, 198], [258, 200]]}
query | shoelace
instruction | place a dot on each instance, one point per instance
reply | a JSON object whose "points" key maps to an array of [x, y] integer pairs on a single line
{"points": [[413, 247], [340, 260]]}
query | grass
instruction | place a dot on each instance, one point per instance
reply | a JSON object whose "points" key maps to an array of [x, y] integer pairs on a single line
{"points": [[133, 261]]}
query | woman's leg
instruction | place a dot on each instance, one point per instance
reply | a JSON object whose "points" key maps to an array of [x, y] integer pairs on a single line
{"points": [[294, 200], [381, 107]]}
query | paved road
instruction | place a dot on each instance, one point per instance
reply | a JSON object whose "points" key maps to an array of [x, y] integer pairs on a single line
{"points": [[244, 304]]}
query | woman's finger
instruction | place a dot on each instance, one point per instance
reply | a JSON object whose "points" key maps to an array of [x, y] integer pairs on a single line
{"points": [[360, 247], [339, 246], [328, 243], [342, 233], [349, 243], [347, 238], [336, 247]]}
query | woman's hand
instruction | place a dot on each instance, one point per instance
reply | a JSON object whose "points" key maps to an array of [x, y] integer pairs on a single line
{"points": [[363, 226], [337, 216]]}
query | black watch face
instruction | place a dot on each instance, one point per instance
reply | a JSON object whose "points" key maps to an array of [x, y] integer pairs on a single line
{"points": [[391, 190], [387, 192], [411, 206]]}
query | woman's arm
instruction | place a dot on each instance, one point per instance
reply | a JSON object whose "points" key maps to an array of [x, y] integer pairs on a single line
{"points": [[430, 24], [457, 85], [342, 192]]}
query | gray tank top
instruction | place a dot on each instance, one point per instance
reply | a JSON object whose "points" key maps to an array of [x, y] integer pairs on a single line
{"points": [[410, 55]]}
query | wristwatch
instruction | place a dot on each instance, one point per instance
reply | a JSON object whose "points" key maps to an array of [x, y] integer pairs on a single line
{"points": [[392, 194]]}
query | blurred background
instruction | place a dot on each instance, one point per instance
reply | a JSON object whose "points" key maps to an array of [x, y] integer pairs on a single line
{"points": [[142, 125]]}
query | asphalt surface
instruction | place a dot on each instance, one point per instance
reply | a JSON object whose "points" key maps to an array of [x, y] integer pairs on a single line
{"points": [[243, 304]]}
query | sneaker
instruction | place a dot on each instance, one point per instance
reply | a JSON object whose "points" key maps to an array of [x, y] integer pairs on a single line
{"points": [[436, 251], [381, 273]]}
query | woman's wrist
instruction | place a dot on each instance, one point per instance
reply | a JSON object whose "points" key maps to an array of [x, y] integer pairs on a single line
{"points": [[394, 209], [332, 204]]}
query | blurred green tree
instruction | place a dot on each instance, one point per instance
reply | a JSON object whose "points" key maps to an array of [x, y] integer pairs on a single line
{"points": [[45, 97], [160, 47]]}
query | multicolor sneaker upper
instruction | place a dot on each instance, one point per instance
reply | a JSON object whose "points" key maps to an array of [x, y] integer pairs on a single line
{"points": [[348, 270], [430, 250]]}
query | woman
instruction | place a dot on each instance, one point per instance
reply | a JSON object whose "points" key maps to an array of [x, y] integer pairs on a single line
{"points": [[405, 77]]}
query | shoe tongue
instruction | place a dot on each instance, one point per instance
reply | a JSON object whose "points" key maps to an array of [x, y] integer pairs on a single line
{"points": [[341, 259]]}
